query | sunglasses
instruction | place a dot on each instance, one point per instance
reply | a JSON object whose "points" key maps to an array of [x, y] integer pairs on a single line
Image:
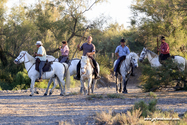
{"points": [[64, 42]]}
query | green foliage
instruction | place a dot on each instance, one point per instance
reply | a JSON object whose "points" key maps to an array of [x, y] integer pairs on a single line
{"points": [[119, 96], [22, 79], [146, 110], [104, 71], [95, 96], [142, 106], [74, 83], [153, 79]]}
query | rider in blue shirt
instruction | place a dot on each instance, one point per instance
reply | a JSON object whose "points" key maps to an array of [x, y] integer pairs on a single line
{"points": [[121, 52]]}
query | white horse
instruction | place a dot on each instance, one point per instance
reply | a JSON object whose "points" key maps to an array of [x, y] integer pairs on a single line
{"points": [[125, 70], [72, 69], [58, 71], [153, 59], [86, 73]]}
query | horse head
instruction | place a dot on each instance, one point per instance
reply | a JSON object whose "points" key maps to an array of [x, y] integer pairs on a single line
{"points": [[20, 58], [84, 64], [134, 59], [143, 54]]}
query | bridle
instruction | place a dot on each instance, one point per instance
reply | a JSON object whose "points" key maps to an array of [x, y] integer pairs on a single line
{"points": [[24, 58], [25, 61]]}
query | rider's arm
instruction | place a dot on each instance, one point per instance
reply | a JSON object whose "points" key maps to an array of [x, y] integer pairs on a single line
{"points": [[90, 53], [38, 54], [117, 55], [117, 51], [128, 51], [79, 48]]}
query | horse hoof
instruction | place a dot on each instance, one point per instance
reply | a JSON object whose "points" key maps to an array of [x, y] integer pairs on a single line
{"points": [[125, 91], [30, 95], [36, 92], [50, 93], [120, 90], [45, 94], [61, 94]]}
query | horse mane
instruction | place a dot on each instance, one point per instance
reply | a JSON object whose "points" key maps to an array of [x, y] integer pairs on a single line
{"points": [[84, 58], [31, 58], [152, 53], [133, 54]]}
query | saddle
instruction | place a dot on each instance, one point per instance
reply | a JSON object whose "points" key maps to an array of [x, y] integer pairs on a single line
{"points": [[67, 60], [46, 68], [161, 58]]}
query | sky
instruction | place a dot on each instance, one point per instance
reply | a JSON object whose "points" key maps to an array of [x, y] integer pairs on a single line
{"points": [[118, 10]]}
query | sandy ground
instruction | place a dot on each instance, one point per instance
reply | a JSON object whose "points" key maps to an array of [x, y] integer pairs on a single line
{"points": [[18, 108]]}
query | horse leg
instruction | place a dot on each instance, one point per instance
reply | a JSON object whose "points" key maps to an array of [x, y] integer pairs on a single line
{"points": [[94, 81], [124, 87], [83, 87], [89, 84], [120, 84], [52, 89], [116, 84], [63, 84], [32, 86], [49, 83]]}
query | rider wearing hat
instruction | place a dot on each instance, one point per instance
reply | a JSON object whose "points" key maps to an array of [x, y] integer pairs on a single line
{"points": [[121, 52], [41, 54], [164, 49]]}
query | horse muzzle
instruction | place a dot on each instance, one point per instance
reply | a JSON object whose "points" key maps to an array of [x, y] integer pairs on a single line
{"points": [[140, 60], [83, 71], [136, 66], [16, 62]]}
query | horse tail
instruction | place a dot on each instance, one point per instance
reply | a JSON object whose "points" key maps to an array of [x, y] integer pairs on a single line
{"points": [[67, 75], [185, 64]]}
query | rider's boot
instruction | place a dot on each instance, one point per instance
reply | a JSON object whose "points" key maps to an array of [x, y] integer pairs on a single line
{"points": [[76, 77]]}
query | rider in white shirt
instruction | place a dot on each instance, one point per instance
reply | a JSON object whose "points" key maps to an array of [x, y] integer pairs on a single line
{"points": [[41, 54]]}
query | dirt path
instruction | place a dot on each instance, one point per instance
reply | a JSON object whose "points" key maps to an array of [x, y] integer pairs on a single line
{"points": [[18, 108]]}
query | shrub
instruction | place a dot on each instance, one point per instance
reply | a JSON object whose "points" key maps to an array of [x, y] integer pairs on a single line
{"points": [[153, 79], [115, 95], [21, 80], [104, 71]]}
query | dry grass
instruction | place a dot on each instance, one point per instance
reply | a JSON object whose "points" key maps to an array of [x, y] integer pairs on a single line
{"points": [[133, 118]]}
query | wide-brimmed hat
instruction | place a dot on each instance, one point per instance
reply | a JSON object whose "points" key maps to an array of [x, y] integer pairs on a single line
{"points": [[38, 43], [122, 40], [162, 37]]}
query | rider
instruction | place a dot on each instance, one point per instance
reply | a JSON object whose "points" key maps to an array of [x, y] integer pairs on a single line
{"points": [[89, 50], [121, 52], [41, 54], [164, 49], [64, 51]]}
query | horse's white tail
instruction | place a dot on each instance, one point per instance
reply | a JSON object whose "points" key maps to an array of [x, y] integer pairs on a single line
{"points": [[67, 76], [185, 64]]}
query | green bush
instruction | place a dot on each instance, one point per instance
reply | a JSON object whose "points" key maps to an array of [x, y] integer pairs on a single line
{"points": [[153, 79], [104, 71]]}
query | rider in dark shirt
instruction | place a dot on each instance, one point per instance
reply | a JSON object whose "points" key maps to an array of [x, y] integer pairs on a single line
{"points": [[89, 50]]}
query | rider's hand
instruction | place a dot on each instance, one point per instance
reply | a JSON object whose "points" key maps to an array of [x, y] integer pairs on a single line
{"points": [[88, 54], [60, 47], [78, 46]]}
